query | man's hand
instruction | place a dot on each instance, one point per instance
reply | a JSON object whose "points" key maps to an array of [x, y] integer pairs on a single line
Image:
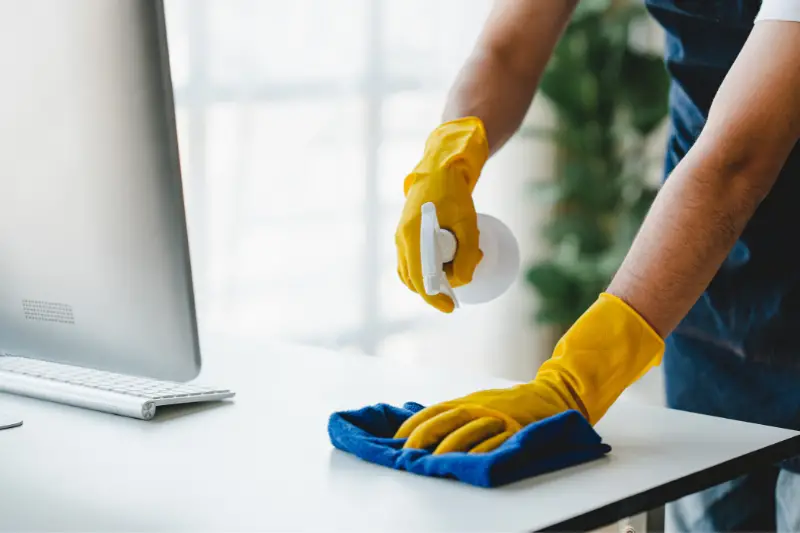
{"points": [[454, 156], [606, 350]]}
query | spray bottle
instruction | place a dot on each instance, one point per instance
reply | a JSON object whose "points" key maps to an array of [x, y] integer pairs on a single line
{"points": [[494, 274]]}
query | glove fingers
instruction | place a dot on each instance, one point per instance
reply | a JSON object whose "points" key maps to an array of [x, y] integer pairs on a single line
{"points": [[433, 431], [491, 443], [470, 435], [402, 273], [442, 302], [468, 254], [414, 421], [402, 262]]}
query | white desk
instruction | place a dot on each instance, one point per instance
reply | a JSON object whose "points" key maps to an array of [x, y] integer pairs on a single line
{"points": [[264, 461]]}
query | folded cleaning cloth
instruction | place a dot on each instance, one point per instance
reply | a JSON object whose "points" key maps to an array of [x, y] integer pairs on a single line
{"points": [[557, 442]]}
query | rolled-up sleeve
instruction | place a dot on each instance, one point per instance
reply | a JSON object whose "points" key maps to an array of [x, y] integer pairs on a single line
{"points": [[779, 10]]}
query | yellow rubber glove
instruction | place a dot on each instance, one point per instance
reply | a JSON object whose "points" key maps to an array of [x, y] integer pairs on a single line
{"points": [[608, 348], [454, 156]]}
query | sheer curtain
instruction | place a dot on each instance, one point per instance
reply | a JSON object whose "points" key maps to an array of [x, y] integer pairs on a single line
{"points": [[298, 121]]}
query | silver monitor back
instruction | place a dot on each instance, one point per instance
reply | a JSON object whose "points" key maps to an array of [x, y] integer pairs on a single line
{"points": [[94, 254]]}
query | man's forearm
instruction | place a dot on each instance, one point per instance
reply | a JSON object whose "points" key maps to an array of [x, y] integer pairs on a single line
{"points": [[706, 203], [692, 225], [500, 78], [488, 89]]}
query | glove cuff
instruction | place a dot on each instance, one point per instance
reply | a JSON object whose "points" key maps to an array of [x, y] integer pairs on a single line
{"points": [[459, 144], [607, 349]]}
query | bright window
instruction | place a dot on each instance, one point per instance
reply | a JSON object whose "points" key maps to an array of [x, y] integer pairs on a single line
{"points": [[298, 122]]}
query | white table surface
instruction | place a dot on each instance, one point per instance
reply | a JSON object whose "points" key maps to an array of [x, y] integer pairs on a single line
{"points": [[264, 462]]}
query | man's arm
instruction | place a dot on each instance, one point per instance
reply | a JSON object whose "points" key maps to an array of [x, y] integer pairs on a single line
{"points": [[499, 80], [706, 203], [485, 107], [694, 222]]}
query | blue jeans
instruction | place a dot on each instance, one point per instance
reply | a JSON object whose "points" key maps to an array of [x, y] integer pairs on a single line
{"points": [[763, 501], [706, 378]]}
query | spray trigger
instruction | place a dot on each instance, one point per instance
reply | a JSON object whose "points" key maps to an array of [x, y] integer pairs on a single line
{"points": [[437, 248], [494, 273]]}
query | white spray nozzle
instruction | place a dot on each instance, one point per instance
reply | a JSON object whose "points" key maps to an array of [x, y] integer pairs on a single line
{"points": [[493, 275], [437, 248]]}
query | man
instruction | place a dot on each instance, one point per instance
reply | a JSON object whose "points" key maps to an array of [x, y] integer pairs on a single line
{"points": [[711, 283]]}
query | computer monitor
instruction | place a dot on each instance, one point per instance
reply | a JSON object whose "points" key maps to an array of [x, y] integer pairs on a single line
{"points": [[94, 254]]}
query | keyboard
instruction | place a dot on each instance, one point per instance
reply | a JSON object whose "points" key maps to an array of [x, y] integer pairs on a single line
{"points": [[99, 390]]}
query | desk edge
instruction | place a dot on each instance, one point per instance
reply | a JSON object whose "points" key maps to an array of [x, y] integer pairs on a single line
{"points": [[673, 490]]}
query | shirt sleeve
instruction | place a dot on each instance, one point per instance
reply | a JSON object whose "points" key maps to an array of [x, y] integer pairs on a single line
{"points": [[779, 10]]}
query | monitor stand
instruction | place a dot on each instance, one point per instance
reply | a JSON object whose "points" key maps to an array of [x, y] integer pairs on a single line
{"points": [[8, 422]]}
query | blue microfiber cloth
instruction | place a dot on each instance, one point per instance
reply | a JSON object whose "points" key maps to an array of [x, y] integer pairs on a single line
{"points": [[557, 442]]}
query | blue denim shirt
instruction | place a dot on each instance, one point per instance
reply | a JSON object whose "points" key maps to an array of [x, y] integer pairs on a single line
{"points": [[752, 306]]}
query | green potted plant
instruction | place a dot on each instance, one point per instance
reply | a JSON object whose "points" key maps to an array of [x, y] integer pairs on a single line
{"points": [[609, 97]]}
